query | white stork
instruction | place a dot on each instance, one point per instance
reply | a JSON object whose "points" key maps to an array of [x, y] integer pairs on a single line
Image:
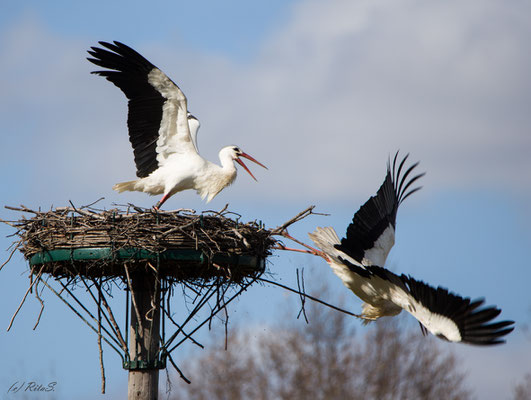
{"points": [[359, 259], [162, 131]]}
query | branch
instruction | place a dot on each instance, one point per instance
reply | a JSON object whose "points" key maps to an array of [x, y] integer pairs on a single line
{"points": [[296, 218]]}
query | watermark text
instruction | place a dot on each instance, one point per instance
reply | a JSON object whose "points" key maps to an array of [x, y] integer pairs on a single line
{"points": [[31, 386]]}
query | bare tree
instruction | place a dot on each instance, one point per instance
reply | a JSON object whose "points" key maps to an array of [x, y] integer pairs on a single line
{"points": [[325, 360], [522, 391]]}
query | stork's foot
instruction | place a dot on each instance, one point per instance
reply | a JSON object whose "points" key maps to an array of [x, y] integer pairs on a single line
{"points": [[310, 249], [156, 207]]}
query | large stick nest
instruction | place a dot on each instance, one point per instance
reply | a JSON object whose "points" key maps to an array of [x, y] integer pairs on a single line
{"points": [[221, 241]]}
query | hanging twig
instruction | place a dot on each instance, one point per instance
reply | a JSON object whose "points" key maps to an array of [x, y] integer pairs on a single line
{"points": [[112, 321], [184, 378], [168, 383], [302, 295], [10, 254], [133, 298], [23, 299], [99, 342], [226, 327], [42, 304]]}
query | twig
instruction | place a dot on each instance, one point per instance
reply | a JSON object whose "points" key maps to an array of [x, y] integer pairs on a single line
{"points": [[184, 378], [133, 297], [112, 321], [226, 327], [302, 295], [24, 298], [85, 213], [10, 223], [99, 342], [10, 255], [240, 236], [40, 300], [94, 202], [23, 209], [220, 212], [296, 218], [168, 384]]}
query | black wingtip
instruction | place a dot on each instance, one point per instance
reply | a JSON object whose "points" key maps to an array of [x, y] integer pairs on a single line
{"points": [[471, 317], [400, 180]]}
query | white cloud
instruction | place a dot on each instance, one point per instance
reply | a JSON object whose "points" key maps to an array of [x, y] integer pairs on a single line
{"points": [[331, 93], [445, 81]]}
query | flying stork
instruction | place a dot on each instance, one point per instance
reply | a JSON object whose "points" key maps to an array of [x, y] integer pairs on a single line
{"points": [[162, 131], [359, 259]]}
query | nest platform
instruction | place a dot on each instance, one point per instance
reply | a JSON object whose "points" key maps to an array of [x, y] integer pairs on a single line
{"points": [[179, 245]]}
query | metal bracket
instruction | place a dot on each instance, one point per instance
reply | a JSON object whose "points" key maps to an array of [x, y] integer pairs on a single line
{"points": [[144, 365]]}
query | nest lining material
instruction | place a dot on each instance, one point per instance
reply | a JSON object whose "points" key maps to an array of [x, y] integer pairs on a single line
{"points": [[179, 244]]}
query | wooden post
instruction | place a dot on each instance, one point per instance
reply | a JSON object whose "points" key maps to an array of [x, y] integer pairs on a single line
{"points": [[144, 336]]}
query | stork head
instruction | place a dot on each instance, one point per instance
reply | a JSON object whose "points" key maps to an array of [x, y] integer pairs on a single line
{"points": [[235, 153]]}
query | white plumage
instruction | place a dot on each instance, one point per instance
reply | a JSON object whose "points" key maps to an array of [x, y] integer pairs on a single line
{"points": [[162, 131], [359, 257]]}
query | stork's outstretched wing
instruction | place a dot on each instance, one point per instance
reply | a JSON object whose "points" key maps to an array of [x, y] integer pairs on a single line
{"points": [[451, 316], [371, 235], [158, 116]]}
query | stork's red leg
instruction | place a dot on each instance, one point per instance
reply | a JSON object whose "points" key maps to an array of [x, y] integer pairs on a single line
{"points": [[159, 203]]}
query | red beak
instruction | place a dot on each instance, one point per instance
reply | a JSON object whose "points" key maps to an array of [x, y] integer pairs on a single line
{"points": [[239, 161]]}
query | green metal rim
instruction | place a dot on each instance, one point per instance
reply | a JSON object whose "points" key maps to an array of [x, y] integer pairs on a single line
{"points": [[106, 253]]}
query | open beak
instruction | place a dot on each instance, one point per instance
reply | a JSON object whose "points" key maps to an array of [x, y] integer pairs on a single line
{"points": [[247, 156]]}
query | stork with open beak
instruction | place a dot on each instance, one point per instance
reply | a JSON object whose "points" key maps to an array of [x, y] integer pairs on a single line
{"points": [[359, 258], [162, 131]]}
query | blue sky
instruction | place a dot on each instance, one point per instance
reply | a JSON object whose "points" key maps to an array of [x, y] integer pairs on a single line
{"points": [[320, 92]]}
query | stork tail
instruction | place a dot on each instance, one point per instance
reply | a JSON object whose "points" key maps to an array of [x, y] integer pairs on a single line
{"points": [[124, 186]]}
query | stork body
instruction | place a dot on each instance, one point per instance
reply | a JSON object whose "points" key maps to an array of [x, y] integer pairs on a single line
{"points": [[187, 171], [162, 131], [359, 258]]}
